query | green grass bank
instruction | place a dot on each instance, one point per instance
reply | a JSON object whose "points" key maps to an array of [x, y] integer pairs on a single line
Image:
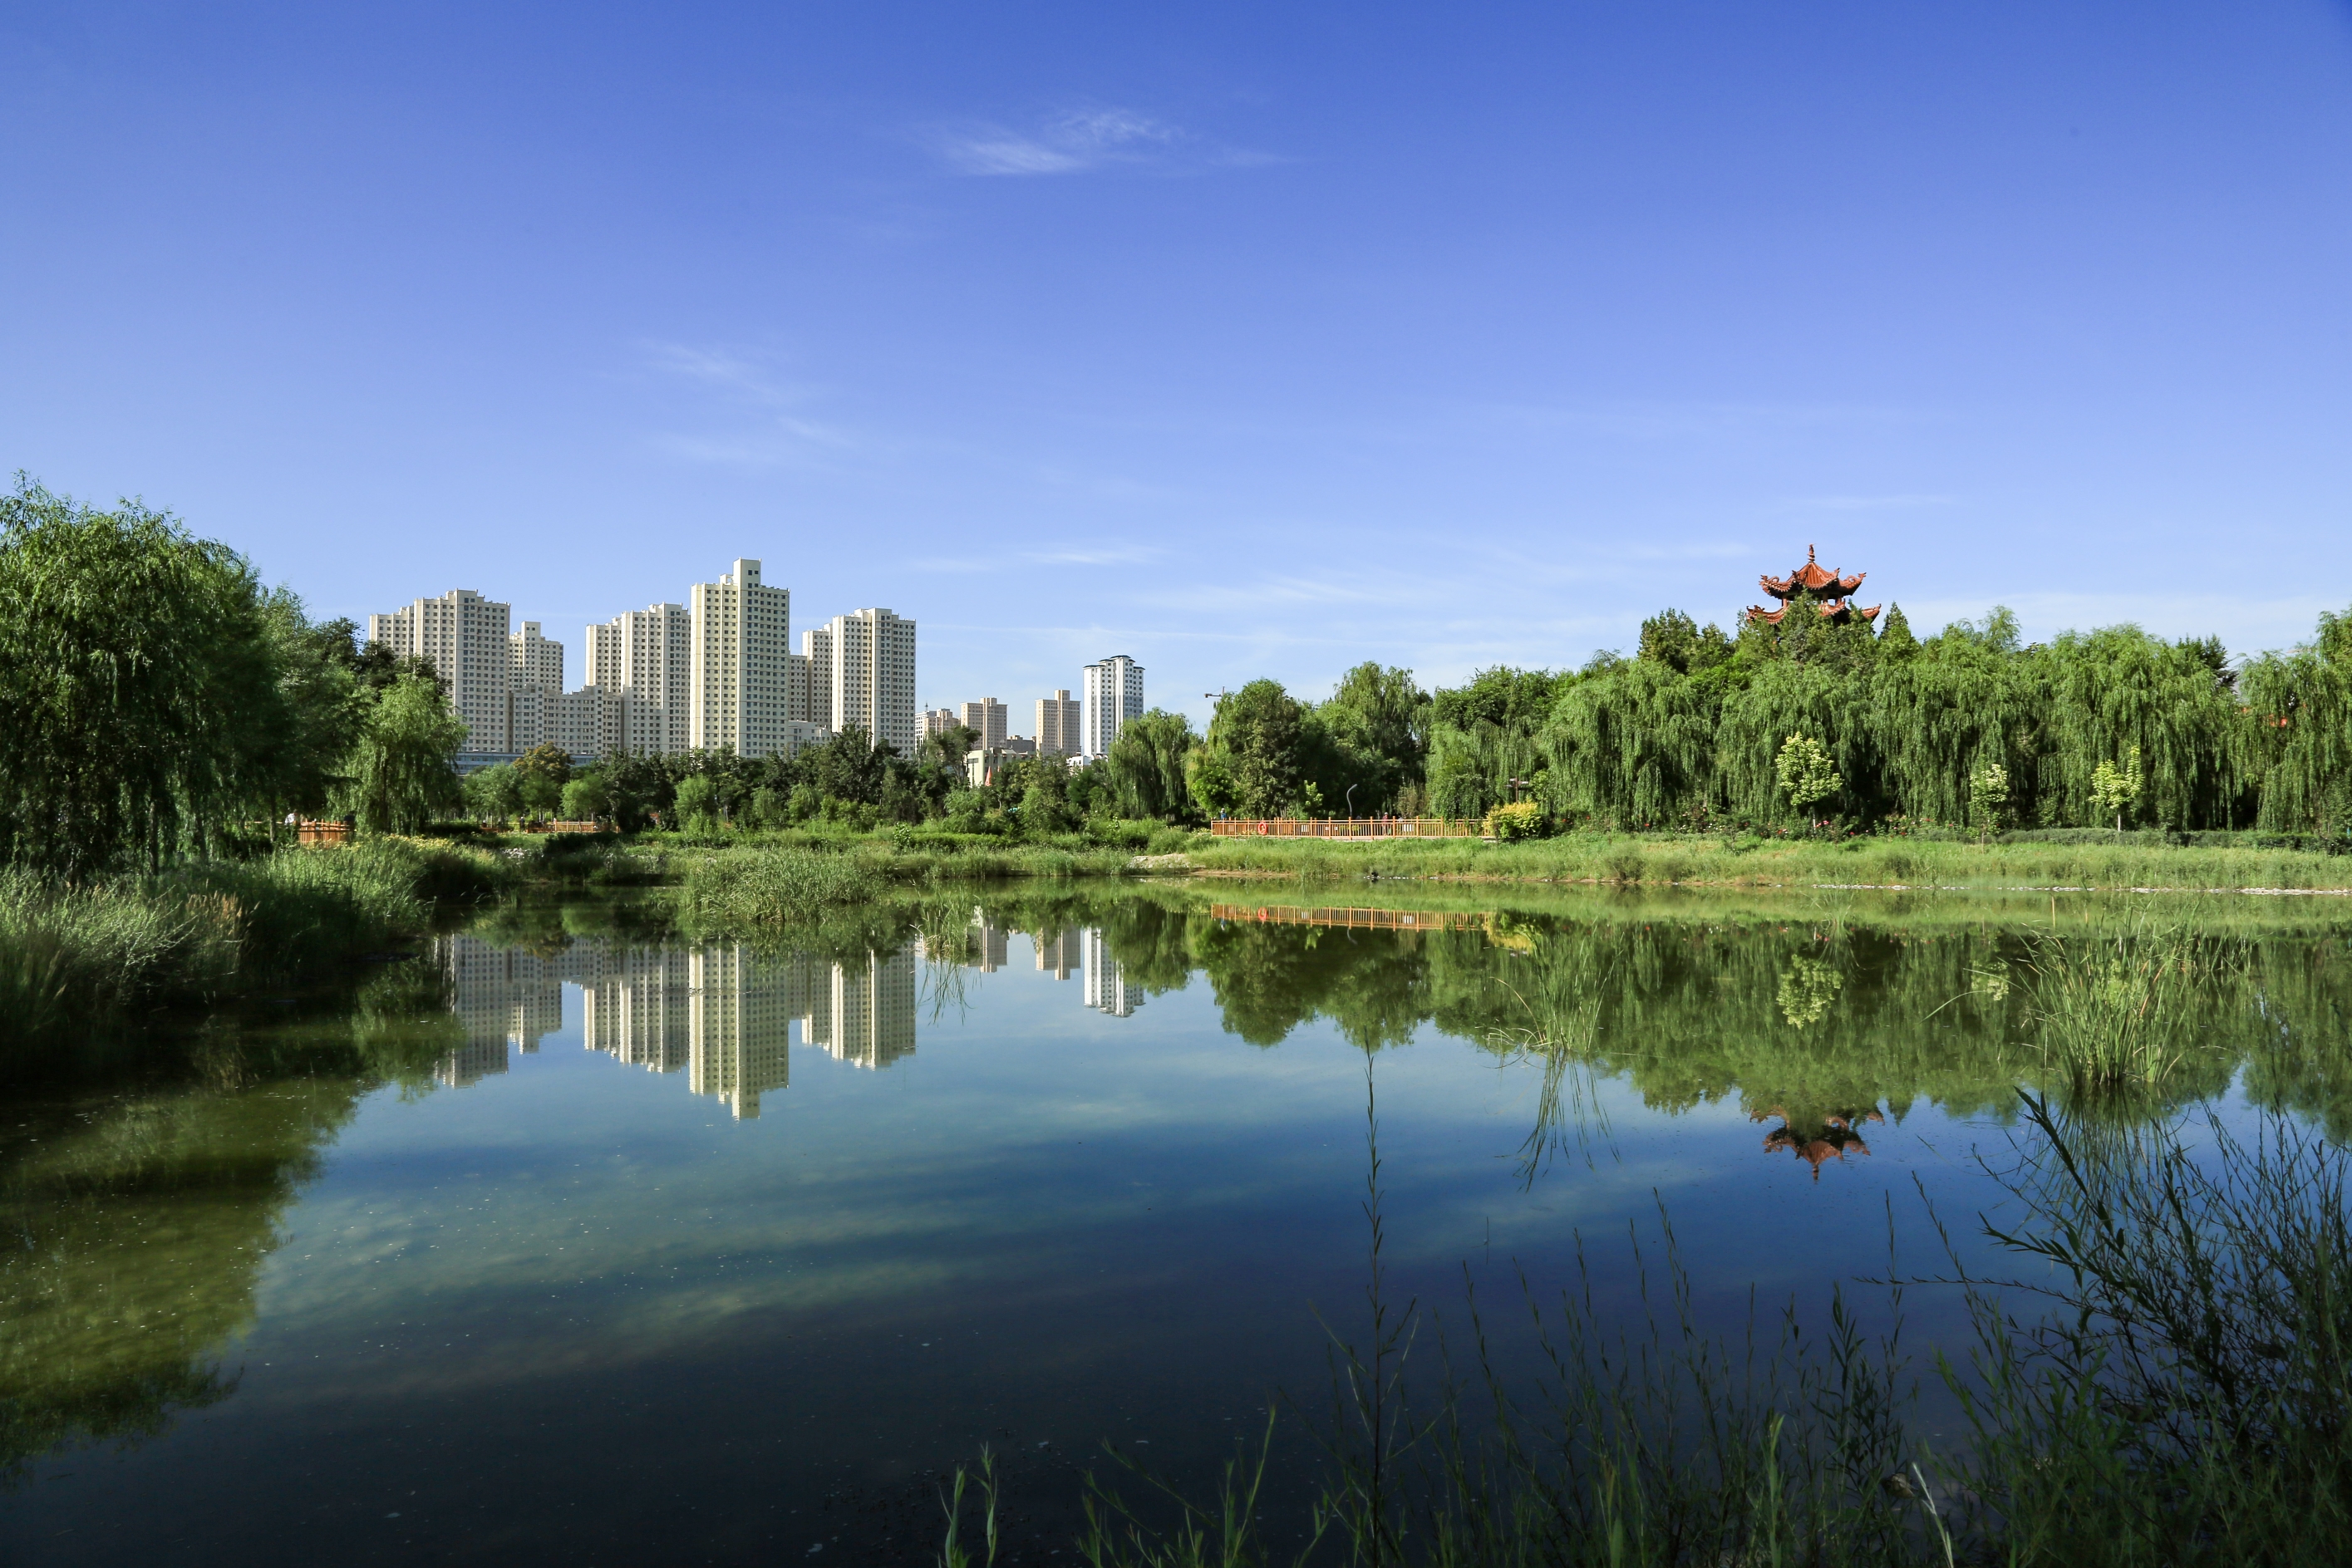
{"points": [[1726, 862], [117, 950]]}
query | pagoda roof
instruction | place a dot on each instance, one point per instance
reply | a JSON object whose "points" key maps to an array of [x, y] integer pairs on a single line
{"points": [[1811, 578], [1837, 611]]}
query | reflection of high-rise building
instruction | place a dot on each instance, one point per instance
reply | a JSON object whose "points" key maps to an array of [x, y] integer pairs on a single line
{"points": [[739, 1020], [992, 947], [636, 1009], [865, 1016], [1106, 984], [1059, 951], [503, 993]]}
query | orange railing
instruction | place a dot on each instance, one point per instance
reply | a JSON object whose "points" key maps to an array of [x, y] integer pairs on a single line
{"points": [[1359, 919], [582, 827], [310, 833], [1347, 828]]}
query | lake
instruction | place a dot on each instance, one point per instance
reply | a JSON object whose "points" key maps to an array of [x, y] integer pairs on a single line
{"points": [[574, 1239]]}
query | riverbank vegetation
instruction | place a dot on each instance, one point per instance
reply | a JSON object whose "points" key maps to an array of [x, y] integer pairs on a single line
{"points": [[2165, 1381], [1962, 733], [118, 949]]}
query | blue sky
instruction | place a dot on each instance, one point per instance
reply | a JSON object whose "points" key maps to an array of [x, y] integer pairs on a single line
{"points": [[1247, 340]]}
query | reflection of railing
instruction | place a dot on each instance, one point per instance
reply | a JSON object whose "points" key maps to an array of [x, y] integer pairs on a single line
{"points": [[1346, 827], [1361, 919]]}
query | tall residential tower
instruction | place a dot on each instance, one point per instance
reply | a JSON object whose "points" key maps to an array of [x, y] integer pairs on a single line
{"points": [[1114, 694]]}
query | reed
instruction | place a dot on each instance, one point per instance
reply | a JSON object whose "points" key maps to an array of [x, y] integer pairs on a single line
{"points": [[2117, 1014], [770, 887], [2180, 1394], [114, 949]]}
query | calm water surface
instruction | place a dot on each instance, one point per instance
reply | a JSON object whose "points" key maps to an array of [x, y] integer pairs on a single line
{"points": [[572, 1242]]}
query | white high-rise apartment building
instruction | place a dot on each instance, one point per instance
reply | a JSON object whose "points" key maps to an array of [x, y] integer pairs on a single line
{"points": [[864, 662], [534, 690], [740, 673], [1058, 726], [813, 677], [463, 636], [645, 659], [990, 719], [1114, 694]]}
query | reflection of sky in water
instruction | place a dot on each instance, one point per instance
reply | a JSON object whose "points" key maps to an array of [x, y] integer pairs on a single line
{"points": [[689, 1244]]}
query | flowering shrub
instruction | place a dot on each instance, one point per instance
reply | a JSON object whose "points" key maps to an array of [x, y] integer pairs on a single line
{"points": [[1520, 819]]}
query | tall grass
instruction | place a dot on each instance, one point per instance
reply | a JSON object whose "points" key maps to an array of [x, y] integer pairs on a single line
{"points": [[76, 956], [2117, 1014], [770, 887], [1724, 860]]}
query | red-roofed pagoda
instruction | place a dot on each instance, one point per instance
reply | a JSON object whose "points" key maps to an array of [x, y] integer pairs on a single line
{"points": [[1833, 591]]}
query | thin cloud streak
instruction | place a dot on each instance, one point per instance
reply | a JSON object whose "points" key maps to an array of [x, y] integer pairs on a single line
{"points": [[1080, 140]]}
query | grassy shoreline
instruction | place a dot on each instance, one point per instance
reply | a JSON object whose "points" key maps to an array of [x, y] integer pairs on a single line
{"points": [[114, 952], [1887, 863]]}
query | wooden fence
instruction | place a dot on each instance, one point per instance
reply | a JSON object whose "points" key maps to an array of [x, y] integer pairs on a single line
{"points": [[1347, 828], [310, 833], [1361, 919], [585, 827]]}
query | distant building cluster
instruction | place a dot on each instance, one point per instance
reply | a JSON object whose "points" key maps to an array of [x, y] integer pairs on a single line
{"points": [[1114, 695], [719, 670]]}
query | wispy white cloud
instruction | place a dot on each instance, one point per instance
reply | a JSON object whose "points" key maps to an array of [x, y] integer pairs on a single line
{"points": [[781, 433], [1133, 556], [1079, 141]]}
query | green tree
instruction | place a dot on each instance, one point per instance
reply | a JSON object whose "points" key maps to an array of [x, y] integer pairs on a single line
{"points": [[404, 766], [952, 745], [1146, 766], [1894, 638], [2114, 788], [1987, 798], [697, 803], [139, 707], [586, 799], [494, 793], [1806, 773], [1256, 738]]}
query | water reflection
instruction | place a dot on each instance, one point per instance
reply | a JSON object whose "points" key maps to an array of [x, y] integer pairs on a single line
{"points": [[726, 1014]]}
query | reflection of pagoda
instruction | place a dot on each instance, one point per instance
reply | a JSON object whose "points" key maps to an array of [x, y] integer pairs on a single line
{"points": [[1832, 591], [1837, 1134]]}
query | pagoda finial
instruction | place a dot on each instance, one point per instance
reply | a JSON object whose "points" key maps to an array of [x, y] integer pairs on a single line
{"points": [[1809, 555]]}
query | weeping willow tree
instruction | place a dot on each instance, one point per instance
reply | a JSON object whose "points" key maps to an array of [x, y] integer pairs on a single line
{"points": [[1635, 744], [1471, 766], [1683, 735], [2118, 689], [2299, 740]]}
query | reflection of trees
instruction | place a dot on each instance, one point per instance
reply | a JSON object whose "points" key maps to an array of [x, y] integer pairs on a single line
{"points": [[1268, 979], [1833, 1018], [134, 1242]]}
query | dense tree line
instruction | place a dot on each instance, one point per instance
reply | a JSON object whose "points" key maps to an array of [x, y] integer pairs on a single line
{"points": [[1969, 728]]}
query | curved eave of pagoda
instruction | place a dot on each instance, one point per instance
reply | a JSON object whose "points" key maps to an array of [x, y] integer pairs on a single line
{"points": [[1811, 580], [1837, 609]]}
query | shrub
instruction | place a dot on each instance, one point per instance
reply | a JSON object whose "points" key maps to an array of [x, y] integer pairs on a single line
{"points": [[1520, 819]]}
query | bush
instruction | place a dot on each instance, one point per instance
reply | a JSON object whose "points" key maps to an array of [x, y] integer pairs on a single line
{"points": [[1520, 819]]}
